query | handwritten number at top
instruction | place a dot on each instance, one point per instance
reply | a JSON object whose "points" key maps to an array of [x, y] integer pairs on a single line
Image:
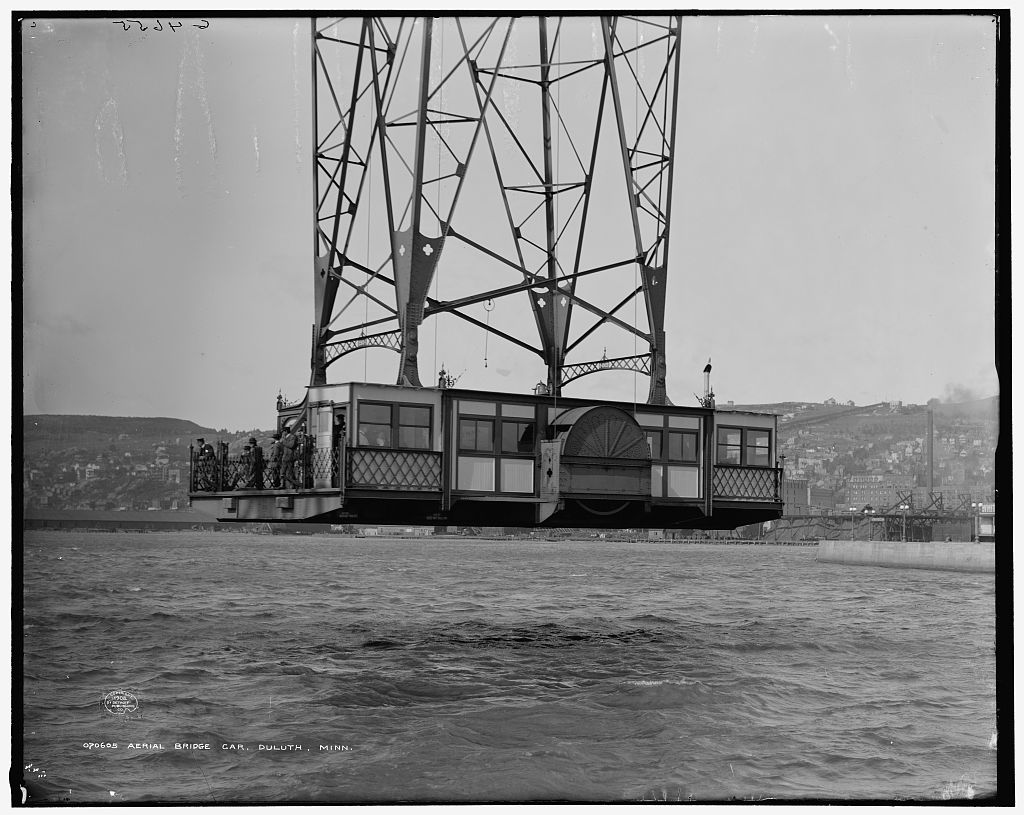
{"points": [[126, 24]]}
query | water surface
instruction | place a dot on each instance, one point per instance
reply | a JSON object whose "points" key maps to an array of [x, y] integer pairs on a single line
{"points": [[467, 670]]}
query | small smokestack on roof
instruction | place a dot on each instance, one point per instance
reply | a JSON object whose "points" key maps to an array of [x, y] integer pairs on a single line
{"points": [[708, 400]]}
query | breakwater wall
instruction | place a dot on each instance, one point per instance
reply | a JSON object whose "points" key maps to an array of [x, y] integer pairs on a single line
{"points": [[161, 521], [948, 556]]}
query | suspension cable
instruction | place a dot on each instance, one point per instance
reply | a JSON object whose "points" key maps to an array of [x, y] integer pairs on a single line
{"points": [[632, 193], [555, 180], [437, 135], [366, 299], [488, 307], [554, 192]]}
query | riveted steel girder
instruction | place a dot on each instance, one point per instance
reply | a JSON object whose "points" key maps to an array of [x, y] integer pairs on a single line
{"points": [[406, 108]]}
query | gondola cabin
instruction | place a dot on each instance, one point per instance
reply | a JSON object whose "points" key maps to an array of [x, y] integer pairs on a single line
{"points": [[372, 453]]}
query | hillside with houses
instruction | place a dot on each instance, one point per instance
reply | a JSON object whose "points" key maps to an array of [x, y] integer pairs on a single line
{"points": [[111, 462], [839, 456], [836, 456]]}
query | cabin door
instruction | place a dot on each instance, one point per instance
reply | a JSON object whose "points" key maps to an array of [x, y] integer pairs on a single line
{"points": [[324, 449], [338, 445]]}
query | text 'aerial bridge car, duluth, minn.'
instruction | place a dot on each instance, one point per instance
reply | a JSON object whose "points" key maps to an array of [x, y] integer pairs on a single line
{"points": [[528, 161]]}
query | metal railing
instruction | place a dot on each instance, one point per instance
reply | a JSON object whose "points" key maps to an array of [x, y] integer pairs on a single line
{"points": [[371, 468], [321, 465], [223, 473], [393, 469], [747, 483]]}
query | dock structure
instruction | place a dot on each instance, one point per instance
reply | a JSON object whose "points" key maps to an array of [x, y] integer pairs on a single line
{"points": [[940, 555]]}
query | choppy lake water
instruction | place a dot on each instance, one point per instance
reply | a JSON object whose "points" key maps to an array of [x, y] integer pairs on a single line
{"points": [[466, 670]]}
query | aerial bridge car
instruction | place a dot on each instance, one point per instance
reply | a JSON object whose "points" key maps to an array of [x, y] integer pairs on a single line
{"points": [[397, 454], [530, 162]]}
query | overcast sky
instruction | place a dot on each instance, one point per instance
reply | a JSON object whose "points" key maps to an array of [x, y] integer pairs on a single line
{"points": [[832, 234]]}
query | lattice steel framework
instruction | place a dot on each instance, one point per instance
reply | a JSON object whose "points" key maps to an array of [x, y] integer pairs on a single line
{"points": [[420, 123]]}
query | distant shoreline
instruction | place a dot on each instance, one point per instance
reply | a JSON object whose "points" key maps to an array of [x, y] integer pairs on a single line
{"points": [[318, 530]]}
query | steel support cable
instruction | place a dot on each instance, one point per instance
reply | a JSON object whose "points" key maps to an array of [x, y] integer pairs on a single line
{"points": [[632, 196], [366, 300], [558, 200], [661, 173], [554, 382], [568, 136], [437, 268]]}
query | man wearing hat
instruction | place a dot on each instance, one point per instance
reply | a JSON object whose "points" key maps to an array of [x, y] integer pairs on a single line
{"points": [[275, 460], [289, 451], [204, 464], [255, 480]]}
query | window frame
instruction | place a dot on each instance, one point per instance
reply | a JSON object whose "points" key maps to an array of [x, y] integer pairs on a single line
{"points": [[360, 423], [491, 451], [395, 425], [743, 446], [748, 446], [429, 425], [530, 424], [497, 415], [682, 452]]}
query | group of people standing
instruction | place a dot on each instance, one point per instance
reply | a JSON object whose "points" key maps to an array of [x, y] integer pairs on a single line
{"points": [[284, 452], [248, 472]]}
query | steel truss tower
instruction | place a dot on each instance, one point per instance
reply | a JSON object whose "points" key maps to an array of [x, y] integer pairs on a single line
{"points": [[530, 157]]}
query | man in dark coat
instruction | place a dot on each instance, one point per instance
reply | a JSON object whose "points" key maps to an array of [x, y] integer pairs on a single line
{"points": [[289, 452], [254, 476], [204, 464], [275, 461]]}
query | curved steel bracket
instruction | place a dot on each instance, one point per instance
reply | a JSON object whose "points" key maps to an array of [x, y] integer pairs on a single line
{"points": [[385, 339], [641, 363]]}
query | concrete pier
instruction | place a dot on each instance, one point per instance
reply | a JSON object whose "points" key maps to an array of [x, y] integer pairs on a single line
{"points": [[957, 557]]}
